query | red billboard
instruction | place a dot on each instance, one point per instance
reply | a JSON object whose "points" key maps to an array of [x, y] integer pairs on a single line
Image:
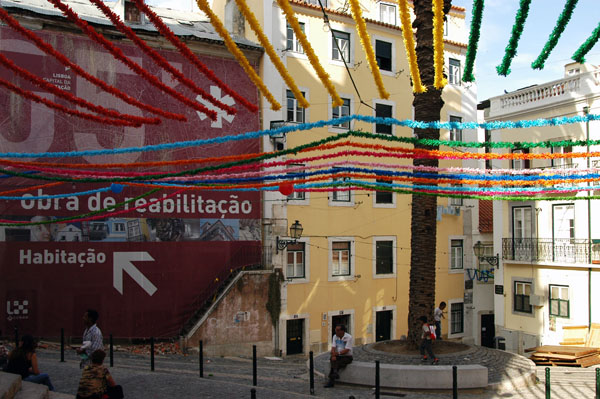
{"points": [[145, 270]]}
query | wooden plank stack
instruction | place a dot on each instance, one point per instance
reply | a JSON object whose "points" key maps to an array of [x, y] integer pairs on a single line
{"points": [[575, 356]]}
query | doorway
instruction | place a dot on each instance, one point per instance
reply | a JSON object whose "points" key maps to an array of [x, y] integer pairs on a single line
{"points": [[340, 319], [488, 330], [383, 325], [294, 341]]}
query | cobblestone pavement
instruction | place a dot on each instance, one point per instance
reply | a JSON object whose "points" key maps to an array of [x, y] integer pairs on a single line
{"points": [[504, 368], [177, 376]]}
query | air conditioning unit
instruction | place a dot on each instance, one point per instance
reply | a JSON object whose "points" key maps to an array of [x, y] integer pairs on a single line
{"points": [[536, 300]]}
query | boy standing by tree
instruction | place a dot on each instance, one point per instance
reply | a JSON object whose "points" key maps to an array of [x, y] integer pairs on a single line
{"points": [[427, 336]]}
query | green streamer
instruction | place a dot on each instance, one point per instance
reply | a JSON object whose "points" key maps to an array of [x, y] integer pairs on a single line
{"points": [[517, 29], [296, 150], [473, 40], [561, 24], [587, 46]]}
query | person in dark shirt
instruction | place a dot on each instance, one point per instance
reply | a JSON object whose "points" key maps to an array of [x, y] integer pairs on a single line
{"points": [[23, 361]]}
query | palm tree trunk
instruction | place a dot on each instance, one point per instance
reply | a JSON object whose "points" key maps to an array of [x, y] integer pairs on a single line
{"points": [[427, 107]]}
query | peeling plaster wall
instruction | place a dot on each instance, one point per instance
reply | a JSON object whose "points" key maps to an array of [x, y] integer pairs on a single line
{"points": [[239, 321]]}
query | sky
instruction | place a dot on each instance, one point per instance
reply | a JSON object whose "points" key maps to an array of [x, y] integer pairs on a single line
{"points": [[496, 27]]}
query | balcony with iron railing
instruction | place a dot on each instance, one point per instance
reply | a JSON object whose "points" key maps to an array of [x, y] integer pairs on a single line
{"points": [[544, 250]]}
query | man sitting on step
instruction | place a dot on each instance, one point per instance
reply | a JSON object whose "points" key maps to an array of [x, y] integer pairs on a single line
{"points": [[341, 353]]}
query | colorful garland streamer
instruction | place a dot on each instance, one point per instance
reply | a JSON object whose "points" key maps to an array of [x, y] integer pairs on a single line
{"points": [[409, 45], [561, 24], [118, 54], [191, 57], [438, 44], [496, 125], [43, 84], [262, 38], [48, 49], [517, 29], [159, 59], [237, 53], [579, 55], [51, 104], [475, 32], [365, 40], [310, 53]]}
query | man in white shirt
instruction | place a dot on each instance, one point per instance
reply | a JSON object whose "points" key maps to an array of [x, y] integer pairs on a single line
{"points": [[341, 353], [92, 337], [438, 315]]}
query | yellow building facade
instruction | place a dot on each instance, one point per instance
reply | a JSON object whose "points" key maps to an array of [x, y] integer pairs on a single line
{"points": [[352, 263]]}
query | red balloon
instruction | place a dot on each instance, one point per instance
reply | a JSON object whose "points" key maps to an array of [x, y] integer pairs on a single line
{"points": [[286, 188]]}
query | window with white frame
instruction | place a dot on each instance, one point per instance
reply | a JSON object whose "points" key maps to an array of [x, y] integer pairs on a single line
{"points": [[384, 257], [340, 258], [519, 164], [457, 319], [455, 201], [340, 46], [456, 254], [456, 134], [559, 300], [343, 195], [562, 162], [384, 197], [293, 44], [522, 296], [383, 111], [120, 227], [383, 55], [295, 113], [454, 72], [387, 13], [295, 260], [342, 110], [296, 195]]}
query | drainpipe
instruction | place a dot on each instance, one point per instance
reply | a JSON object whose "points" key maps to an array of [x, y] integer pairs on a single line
{"points": [[586, 111]]}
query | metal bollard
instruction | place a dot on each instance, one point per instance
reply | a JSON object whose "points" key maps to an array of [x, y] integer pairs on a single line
{"points": [[62, 345], [254, 365], [547, 382], [111, 350], [201, 358], [454, 382], [151, 353], [312, 373], [253, 393], [377, 391], [597, 383]]}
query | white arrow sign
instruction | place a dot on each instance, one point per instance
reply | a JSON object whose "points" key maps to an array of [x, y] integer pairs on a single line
{"points": [[122, 262]]}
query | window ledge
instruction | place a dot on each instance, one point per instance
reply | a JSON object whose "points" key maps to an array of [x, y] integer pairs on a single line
{"points": [[341, 278], [456, 271], [383, 276]]}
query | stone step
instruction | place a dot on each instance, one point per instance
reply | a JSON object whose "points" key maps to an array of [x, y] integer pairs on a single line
{"points": [[10, 384], [29, 390], [58, 395]]}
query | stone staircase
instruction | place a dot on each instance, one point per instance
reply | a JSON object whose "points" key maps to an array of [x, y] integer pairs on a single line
{"points": [[11, 387]]}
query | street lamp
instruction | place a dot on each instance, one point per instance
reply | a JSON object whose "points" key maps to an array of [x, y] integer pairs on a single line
{"points": [[479, 248], [295, 234]]}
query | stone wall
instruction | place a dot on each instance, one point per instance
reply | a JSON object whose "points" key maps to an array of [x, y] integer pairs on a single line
{"points": [[239, 320]]}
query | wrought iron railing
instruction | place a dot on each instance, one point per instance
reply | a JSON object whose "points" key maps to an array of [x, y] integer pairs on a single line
{"points": [[562, 250]]}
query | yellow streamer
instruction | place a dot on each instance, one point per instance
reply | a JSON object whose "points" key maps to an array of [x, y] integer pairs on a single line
{"points": [[310, 53], [438, 44], [237, 53], [262, 38], [409, 44], [365, 40]]}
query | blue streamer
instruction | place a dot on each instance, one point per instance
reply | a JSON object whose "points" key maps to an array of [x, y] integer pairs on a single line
{"points": [[43, 197], [496, 125]]}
